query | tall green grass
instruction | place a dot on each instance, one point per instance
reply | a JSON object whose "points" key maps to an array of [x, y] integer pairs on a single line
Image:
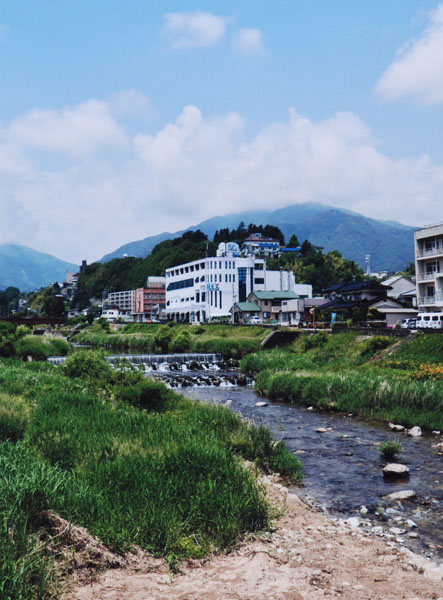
{"points": [[338, 373], [230, 341], [135, 465]]}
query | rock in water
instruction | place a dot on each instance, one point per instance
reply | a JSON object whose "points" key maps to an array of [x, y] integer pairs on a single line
{"points": [[261, 404], [403, 495], [415, 432], [321, 430], [395, 471], [394, 427]]}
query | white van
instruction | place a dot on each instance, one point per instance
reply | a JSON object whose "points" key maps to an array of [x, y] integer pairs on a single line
{"points": [[430, 320]]}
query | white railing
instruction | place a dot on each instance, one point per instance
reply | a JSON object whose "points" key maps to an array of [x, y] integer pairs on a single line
{"points": [[425, 300], [428, 276], [427, 253]]}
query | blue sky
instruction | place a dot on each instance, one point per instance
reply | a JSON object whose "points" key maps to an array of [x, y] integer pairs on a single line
{"points": [[122, 120]]}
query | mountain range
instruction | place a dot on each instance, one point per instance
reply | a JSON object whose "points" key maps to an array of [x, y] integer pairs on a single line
{"points": [[29, 269], [389, 244]]}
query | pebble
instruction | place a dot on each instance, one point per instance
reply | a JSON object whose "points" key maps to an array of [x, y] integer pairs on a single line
{"points": [[363, 510], [321, 430], [397, 530], [403, 495], [353, 522]]}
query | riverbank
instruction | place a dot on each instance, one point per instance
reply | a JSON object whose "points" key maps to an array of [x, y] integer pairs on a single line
{"points": [[306, 557], [128, 460], [373, 377], [227, 340]]}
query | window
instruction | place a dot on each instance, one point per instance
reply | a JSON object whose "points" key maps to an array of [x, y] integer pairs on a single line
{"points": [[178, 285], [258, 266], [266, 315], [259, 281], [197, 296], [219, 264]]}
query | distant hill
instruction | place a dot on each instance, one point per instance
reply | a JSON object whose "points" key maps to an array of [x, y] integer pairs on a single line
{"points": [[29, 269], [390, 244]]}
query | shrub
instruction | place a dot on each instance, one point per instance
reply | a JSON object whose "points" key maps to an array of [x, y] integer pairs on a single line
{"points": [[181, 342], [315, 341], [88, 364], [14, 417], [163, 338], [149, 395], [375, 344], [32, 346], [388, 450]]}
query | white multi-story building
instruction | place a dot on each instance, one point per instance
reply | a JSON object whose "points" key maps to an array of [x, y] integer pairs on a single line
{"points": [[125, 301], [207, 288], [429, 268]]}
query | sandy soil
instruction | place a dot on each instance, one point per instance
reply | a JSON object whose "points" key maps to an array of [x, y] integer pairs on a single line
{"points": [[307, 557]]}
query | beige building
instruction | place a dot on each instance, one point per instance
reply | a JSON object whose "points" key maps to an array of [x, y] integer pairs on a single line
{"points": [[429, 268]]}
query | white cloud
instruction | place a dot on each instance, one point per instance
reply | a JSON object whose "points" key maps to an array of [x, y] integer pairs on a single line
{"points": [[194, 168], [248, 41], [194, 30], [76, 131], [418, 71], [132, 104]]}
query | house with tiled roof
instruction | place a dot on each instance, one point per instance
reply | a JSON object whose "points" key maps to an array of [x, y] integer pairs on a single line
{"points": [[346, 298]]}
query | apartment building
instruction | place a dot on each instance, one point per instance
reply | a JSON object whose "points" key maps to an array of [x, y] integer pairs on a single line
{"points": [[124, 301], [429, 268], [150, 301], [204, 289]]}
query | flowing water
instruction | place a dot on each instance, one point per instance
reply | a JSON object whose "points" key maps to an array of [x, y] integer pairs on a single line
{"points": [[343, 468]]}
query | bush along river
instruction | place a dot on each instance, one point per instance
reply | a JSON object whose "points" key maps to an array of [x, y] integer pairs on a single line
{"points": [[340, 453]]}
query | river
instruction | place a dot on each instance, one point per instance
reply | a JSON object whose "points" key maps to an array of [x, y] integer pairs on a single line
{"points": [[343, 468]]}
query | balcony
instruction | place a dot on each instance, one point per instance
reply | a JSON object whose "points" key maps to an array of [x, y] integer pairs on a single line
{"points": [[428, 253], [428, 276], [431, 300]]}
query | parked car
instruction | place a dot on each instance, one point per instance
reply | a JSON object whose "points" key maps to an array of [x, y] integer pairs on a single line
{"points": [[410, 323], [255, 321]]}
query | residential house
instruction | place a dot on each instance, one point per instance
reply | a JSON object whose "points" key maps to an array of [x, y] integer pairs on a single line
{"points": [[402, 288]]}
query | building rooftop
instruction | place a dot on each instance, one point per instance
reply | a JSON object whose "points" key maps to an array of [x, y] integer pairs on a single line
{"points": [[275, 295], [248, 306]]}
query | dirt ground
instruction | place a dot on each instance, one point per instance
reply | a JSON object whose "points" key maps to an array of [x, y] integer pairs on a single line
{"points": [[307, 557]]}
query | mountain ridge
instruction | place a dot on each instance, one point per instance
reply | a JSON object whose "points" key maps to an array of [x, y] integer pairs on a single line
{"points": [[389, 243], [29, 269]]}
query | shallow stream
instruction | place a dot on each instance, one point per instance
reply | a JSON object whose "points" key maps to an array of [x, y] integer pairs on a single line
{"points": [[343, 468]]}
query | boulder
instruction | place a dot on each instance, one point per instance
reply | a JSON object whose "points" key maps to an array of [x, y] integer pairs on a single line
{"points": [[403, 495], [321, 430], [415, 432], [395, 471], [394, 427], [439, 447], [261, 404]]}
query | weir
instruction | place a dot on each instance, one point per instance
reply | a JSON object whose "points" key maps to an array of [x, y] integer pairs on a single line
{"points": [[150, 359]]}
